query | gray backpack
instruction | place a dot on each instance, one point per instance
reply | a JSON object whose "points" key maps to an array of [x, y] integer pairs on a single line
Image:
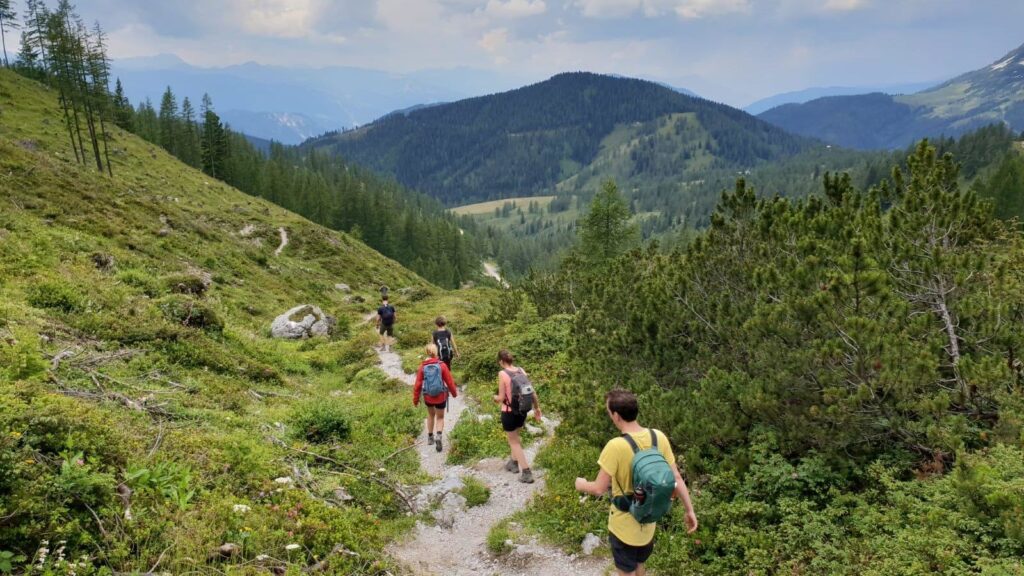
{"points": [[522, 393]]}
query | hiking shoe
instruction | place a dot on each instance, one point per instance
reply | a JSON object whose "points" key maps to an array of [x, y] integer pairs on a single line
{"points": [[430, 439], [512, 466], [437, 443], [527, 476]]}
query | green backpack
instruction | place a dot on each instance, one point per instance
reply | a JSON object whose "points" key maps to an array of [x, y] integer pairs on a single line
{"points": [[653, 483]]}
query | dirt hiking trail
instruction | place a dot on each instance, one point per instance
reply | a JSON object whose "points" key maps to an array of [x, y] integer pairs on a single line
{"points": [[457, 544]]}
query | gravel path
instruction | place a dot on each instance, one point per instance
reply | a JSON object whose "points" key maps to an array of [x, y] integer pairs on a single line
{"points": [[284, 241], [461, 550]]}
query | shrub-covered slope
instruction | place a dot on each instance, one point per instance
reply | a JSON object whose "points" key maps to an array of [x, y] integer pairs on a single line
{"points": [[144, 411]]}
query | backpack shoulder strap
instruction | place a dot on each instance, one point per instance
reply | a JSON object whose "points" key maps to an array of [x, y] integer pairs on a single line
{"points": [[654, 437], [632, 443]]}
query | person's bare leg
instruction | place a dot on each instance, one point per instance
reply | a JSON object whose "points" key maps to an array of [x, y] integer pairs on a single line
{"points": [[439, 420], [430, 419], [640, 570], [516, 445]]}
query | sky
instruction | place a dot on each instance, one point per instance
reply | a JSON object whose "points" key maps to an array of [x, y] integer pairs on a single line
{"points": [[732, 51]]}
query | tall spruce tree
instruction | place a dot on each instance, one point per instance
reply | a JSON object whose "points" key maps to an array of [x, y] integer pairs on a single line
{"points": [[169, 121], [7, 22], [36, 25], [605, 231], [123, 111], [188, 146], [213, 143]]}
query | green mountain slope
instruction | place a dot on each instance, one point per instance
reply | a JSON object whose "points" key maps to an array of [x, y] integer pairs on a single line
{"points": [[994, 94], [548, 136], [135, 356]]}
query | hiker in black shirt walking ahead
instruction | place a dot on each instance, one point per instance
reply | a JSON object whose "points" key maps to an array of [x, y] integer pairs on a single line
{"points": [[386, 317], [445, 342]]}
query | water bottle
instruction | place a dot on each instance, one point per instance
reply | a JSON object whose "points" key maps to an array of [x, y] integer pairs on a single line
{"points": [[639, 495]]}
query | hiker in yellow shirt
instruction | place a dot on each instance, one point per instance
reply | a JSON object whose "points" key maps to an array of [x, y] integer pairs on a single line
{"points": [[631, 542]]}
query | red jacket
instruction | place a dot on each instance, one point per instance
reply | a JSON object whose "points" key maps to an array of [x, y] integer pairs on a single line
{"points": [[446, 376]]}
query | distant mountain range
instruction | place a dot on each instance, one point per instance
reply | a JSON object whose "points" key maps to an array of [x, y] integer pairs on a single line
{"points": [[292, 104], [562, 135], [808, 94], [994, 94]]}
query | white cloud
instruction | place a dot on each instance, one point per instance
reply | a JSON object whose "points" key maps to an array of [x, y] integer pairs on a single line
{"points": [[686, 9], [277, 18], [844, 5], [515, 8], [494, 40], [693, 9]]}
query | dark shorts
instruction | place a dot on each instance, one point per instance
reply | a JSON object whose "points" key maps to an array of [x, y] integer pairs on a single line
{"points": [[389, 330], [510, 422], [447, 363], [441, 405], [627, 557]]}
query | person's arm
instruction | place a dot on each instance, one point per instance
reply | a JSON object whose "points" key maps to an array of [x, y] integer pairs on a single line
{"points": [[446, 375], [455, 348], [536, 406], [418, 386], [598, 487], [499, 398], [683, 494]]}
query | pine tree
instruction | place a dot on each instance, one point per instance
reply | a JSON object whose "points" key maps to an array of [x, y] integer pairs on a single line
{"points": [[605, 231], [213, 143], [122, 108], [36, 24], [7, 22], [28, 63], [189, 135], [169, 121]]}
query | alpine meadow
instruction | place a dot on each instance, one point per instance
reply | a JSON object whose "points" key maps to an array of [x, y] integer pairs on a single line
{"points": [[597, 324]]}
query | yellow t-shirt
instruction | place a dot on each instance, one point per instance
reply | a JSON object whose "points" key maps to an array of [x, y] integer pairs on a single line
{"points": [[617, 460]]}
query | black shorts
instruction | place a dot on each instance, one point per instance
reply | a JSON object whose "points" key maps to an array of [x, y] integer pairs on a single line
{"points": [[447, 363], [511, 422], [440, 405], [387, 329], [627, 557]]}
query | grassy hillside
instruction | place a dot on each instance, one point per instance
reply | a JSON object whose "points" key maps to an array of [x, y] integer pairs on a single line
{"points": [[144, 411]]}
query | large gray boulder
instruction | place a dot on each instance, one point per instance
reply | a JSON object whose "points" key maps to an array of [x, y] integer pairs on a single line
{"points": [[302, 322]]}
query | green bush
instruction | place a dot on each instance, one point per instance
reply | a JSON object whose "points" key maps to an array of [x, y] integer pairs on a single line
{"points": [[187, 311], [190, 284], [320, 421], [142, 280], [498, 538], [20, 357], [56, 295], [474, 491]]}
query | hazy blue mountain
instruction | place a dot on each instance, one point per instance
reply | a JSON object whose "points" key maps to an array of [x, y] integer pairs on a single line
{"points": [[284, 127], [808, 94], [291, 104], [993, 94]]}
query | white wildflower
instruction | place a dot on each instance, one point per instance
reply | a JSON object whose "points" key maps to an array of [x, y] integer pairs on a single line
{"points": [[262, 557], [292, 547], [240, 508], [283, 480]]}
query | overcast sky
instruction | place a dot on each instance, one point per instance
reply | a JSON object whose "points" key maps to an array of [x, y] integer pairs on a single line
{"points": [[734, 51]]}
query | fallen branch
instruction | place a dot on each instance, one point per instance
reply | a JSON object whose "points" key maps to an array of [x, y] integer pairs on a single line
{"points": [[55, 362], [352, 471], [321, 565]]}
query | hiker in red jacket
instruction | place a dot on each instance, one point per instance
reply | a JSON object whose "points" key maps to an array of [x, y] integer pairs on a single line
{"points": [[434, 382]]}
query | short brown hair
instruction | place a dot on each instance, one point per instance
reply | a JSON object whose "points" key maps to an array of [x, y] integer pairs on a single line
{"points": [[623, 403], [506, 357], [440, 321]]}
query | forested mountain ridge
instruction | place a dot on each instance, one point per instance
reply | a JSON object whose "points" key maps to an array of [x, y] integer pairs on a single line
{"points": [[991, 94], [535, 138]]}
